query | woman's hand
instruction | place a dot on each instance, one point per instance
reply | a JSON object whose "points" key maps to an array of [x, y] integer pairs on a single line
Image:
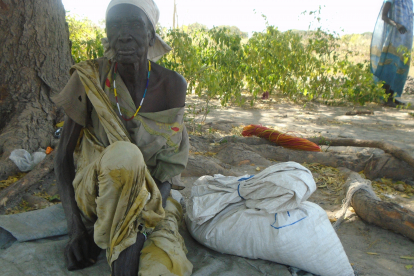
{"points": [[401, 29]]}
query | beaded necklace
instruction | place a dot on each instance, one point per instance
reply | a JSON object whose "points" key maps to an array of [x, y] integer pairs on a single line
{"points": [[145, 92]]}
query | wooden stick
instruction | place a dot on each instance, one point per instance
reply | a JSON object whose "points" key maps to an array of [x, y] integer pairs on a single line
{"points": [[15, 191], [359, 112]]}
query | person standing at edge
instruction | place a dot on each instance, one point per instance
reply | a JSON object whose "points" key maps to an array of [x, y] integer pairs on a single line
{"points": [[392, 41], [125, 128]]}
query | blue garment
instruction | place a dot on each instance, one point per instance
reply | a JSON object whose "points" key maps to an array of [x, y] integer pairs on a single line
{"points": [[387, 63]]}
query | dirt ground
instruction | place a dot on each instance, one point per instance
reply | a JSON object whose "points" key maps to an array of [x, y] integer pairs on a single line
{"points": [[371, 250]]}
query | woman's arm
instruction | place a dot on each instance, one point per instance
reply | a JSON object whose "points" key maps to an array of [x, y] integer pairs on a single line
{"points": [[385, 10], [81, 250]]}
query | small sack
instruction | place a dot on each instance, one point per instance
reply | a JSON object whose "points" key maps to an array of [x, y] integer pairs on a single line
{"points": [[26, 161]]}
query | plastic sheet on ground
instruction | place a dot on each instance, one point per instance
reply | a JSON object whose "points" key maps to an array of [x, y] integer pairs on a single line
{"points": [[34, 225], [45, 256]]}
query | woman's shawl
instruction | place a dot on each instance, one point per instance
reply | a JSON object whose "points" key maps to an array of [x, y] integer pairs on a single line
{"points": [[161, 136]]}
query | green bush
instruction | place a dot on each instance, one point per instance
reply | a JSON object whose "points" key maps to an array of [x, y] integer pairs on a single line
{"points": [[211, 60], [85, 37], [218, 63]]}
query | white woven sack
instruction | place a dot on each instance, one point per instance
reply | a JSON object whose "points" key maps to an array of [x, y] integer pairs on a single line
{"points": [[267, 217]]}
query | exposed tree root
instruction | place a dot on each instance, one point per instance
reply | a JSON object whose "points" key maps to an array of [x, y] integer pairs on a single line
{"points": [[7, 167], [387, 147], [395, 163], [15, 191], [386, 215]]}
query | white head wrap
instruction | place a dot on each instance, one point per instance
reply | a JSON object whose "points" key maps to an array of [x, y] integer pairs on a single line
{"points": [[149, 7]]}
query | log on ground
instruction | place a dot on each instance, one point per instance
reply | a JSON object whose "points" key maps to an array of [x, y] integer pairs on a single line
{"points": [[386, 215]]}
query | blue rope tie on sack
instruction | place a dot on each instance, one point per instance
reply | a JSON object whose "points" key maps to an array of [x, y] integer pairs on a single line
{"points": [[238, 190], [273, 225], [245, 178], [242, 179]]}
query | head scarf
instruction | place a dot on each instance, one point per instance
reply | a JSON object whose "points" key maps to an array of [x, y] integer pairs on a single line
{"points": [[149, 7]]}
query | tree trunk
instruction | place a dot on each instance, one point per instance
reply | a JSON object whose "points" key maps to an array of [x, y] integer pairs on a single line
{"points": [[34, 64]]}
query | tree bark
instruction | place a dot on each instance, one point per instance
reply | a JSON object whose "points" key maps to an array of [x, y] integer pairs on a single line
{"points": [[35, 60], [386, 215]]}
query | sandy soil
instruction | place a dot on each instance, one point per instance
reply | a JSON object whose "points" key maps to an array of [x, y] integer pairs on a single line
{"points": [[384, 247]]}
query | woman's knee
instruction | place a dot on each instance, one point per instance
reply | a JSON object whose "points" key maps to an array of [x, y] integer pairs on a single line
{"points": [[122, 155]]}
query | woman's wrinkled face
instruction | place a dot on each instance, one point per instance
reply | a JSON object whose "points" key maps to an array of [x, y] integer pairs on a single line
{"points": [[129, 32]]}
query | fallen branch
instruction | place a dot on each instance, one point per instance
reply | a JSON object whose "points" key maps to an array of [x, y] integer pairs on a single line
{"points": [[367, 206], [388, 148], [386, 215], [359, 112], [15, 191]]}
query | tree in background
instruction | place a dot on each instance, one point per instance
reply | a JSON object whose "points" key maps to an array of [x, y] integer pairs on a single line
{"points": [[34, 62], [85, 37], [234, 31], [194, 27]]}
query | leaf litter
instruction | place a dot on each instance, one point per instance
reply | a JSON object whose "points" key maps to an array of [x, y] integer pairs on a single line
{"points": [[24, 206], [329, 180], [11, 180], [385, 189]]}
